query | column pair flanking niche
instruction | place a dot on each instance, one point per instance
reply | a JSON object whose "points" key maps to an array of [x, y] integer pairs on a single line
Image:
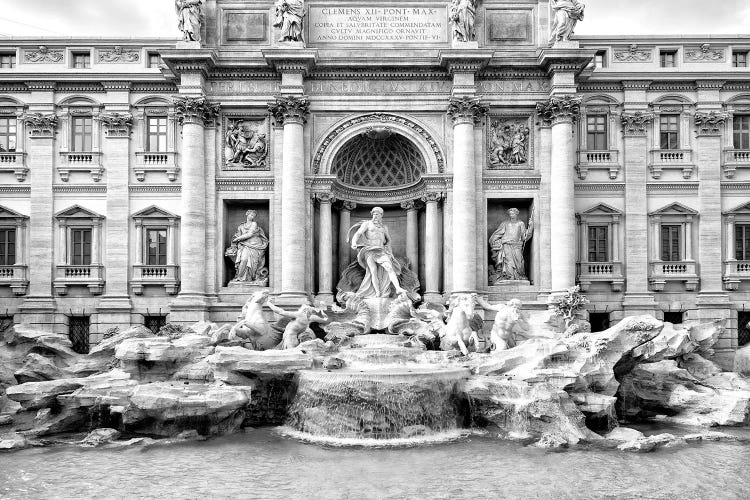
{"points": [[246, 244]]}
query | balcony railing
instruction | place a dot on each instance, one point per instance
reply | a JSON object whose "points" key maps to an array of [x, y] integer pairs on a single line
{"points": [[91, 276], [164, 275], [681, 159], [734, 159], [11, 161], [735, 272], [80, 161], [148, 161], [661, 272], [599, 159], [16, 277], [606, 272]]}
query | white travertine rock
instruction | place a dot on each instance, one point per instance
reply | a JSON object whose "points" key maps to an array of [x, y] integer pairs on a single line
{"points": [[13, 442], [38, 368], [274, 362], [742, 361], [98, 437], [36, 395], [624, 434], [107, 346]]}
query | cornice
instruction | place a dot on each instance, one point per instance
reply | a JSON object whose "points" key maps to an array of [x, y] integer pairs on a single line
{"points": [[81, 188], [11, 188], [512, 183], [600, 187], [245, 183], [155, 188], [655, 187]]}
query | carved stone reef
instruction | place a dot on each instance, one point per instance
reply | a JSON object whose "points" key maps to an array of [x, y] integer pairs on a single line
{"points": [[552, 389]]}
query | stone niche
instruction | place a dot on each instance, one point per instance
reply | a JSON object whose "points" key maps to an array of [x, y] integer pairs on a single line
{"points": [[497, 213], [234, 215]]}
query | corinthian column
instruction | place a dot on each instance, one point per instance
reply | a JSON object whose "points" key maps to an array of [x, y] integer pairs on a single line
{"points": [[291, 111], [562, 112], [465, 112], [325, 248], [432, 248], [345, 223], [193, 113], [412, 234]]}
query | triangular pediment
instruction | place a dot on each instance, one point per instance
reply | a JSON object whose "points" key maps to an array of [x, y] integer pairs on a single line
{"points": [[601, 209], [675, 209], [743, 209], [7, 213], [77, 212], [154, 212]]}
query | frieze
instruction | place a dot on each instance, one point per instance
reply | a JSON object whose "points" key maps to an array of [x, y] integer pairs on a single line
{"points": [[378, 75], [154, 87], [735, 187], [118, 54], [245, 143], [633, 54], [704, 53], [249, 184], [539, 86], [155, 188], [13, 87], [82, 188], [377, 87], [654, 187], [604, 187], [71, 88], [396, 195], [43, 55], [600, 87], [672, 86], [509, 143], [512, 183], [10, 188], [230, 87]]}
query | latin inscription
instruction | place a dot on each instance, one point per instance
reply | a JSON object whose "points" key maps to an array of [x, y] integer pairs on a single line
{"points": [[368, 25]]}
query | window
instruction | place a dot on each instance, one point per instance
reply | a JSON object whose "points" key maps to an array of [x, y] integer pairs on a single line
{"points": [[599, 321], [156, 247], [742, 241], [7, 246], [7, 134], [669, 129], [82, 127], [78, 333], [674, 317], [743, 328], [600, 59], [80, 251], [81, 60], [598, 244], [7, 61], [154, 60], [670, 243], [154, 323], [668, 58], [741, 131], [156, 135], [596, 132], [739, 59]]}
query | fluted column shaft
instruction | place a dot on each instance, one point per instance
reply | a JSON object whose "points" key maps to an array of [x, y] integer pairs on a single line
{"points": [[412, 234], [325, 247], [345, 223], [432, 246]]}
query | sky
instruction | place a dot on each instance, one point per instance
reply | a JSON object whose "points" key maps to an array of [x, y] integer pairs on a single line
{"points": [[156, 18]]}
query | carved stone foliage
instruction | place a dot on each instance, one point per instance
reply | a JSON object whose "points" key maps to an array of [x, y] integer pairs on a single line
{"points": [[194, 109], [710, 123], [43, 55], [560, 109], [466, 109], [118, 54], [509, 142], [289, 109], [116, 124], [633, 54], [246, 143], [634, 124], [704, 53], [40, 125]]}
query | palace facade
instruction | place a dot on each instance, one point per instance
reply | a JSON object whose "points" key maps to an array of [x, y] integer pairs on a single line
{"points": [[127, 165]]}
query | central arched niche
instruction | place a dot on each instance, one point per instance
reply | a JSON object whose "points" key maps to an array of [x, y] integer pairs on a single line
{"points": [[378, 158]]}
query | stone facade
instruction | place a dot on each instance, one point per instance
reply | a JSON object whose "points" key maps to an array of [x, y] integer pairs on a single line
{"points": [[425, 110]]}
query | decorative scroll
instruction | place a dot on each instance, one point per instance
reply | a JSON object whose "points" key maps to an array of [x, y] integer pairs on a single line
{"points": [[43, 55], [633, 54], [118, 55]]}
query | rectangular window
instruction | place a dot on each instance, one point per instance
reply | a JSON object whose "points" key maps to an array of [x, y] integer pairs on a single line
{"points": [[742, 241], [154, 323], [741, 131], [156, 247], [154, 60], [7, 134], [596, 132], [668, 58], [674, 317], [670, 243], [156, 134], [598, 244], [81, 60], [600, 59], [82, 127], [80, 251], [739, 59], [7, 60], [7, 247], [669, 130], [78, 333]]}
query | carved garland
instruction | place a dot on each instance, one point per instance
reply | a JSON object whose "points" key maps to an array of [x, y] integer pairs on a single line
{"points": [[192, 109], [634, 124], [379, 117], [710, 123]]}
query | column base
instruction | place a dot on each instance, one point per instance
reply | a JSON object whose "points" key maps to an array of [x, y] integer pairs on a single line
{"points": [[713, 306], [188, 309], [635, 304], [38, 313], [114, 312], [292, 299]]}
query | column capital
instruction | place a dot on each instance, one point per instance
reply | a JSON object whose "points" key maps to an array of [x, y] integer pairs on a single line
{"points": [[289, 109], [40, 126], [116, 124], [466, 110], [560, 109], [348, 205], [195, 110], [432, 197], [324, 197], [634, 124], [710, 123], [409, 205]]}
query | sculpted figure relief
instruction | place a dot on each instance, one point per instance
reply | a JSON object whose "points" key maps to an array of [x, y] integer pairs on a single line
{"points": [[189, 19], [289, 16], [507, 245], [244, 145], [248, 248], [461, 14], [565, 16], [509, 144]]}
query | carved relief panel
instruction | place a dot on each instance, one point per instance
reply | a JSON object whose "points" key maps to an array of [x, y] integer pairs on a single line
{"points": [[509, 142], [245, 143]]}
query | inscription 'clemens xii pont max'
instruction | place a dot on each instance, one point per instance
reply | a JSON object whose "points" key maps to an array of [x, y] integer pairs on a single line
{"points": [[396, 24]]}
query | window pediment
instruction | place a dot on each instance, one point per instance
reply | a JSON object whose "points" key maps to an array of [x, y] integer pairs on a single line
{"points": [[674, 209], [154, 212], [601, 209], [78, 212], [743, 209], [6, 214]]}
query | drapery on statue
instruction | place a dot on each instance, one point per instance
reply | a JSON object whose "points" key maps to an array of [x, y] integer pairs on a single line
{"points": [[248, 248], [507, 244], [373, 244], [289, 16], [461, 14], [566, 13], [189, 19]]}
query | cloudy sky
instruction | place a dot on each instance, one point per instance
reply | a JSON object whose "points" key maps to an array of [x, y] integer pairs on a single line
{"points": [[155, 18]]}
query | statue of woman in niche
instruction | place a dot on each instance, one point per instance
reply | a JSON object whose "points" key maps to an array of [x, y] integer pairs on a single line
{"points": [[248, 248], [461, 14], [189, 19], [566, 14], [507, 245], [289, 15]]}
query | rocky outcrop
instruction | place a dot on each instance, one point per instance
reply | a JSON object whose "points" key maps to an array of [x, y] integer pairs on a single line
{"points": [[37, 395], [234, 364], [38, 368], [159, 358], [13, 441], [106, 348], [742, 361], [99, 437]]}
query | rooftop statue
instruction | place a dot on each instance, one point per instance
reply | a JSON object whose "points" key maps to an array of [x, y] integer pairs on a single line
{"points": [[189, 17], [289, 16], [461, 14], [566, 14]]}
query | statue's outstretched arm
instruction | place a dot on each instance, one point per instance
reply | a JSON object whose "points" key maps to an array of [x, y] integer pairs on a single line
{"points": [[280, 311]]}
